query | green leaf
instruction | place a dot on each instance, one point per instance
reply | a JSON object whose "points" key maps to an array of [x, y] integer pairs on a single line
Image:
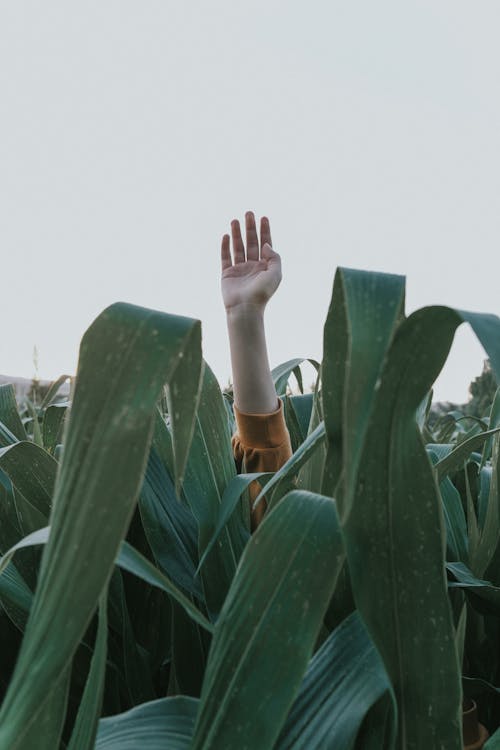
{"points": [[364, 312], [494, 421], [267, 628], [210, 468], [40, 536], [487, 550], [388, 500], [15, 596], [494, 742], [170, 527], [164, 723], [85, 728], [230, 498], [125, 358], [53, 426], [282, 479], [482, 590], [394, 541], [6, 436], [32, 471], [302, 407], [454, 517], [37, 433], [345, 681], [282, 372], [53, 390], [461, 453], [137, 669], [130, 559], [472, 527], [9, 415]]}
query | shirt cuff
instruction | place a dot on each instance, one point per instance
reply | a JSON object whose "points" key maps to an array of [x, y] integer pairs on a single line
{"points": [[262, 430]]}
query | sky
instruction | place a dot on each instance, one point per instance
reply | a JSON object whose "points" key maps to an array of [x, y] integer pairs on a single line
{"points": [[131, 133]]}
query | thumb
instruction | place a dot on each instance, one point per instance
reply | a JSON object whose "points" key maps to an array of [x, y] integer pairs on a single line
{"points": [[267, 253]]}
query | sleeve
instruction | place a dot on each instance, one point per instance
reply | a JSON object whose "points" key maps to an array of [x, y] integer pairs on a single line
{"points": [[261, 443]]}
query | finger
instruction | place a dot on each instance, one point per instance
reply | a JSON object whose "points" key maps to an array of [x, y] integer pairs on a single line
{"points": [[252, 239], [265, 232], [238, 246], [225, 253]]}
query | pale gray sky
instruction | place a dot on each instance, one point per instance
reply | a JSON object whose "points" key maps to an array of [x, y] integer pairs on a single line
{"points": [[133, 132]]}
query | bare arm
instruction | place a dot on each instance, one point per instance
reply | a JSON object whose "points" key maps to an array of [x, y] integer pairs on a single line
{"points": [[248, 282]]}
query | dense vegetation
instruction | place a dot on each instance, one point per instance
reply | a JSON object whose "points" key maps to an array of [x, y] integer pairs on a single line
{"points": [[358, 615]]}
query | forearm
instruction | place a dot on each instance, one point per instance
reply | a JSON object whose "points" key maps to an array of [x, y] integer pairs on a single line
{"points": [[254, 391]]}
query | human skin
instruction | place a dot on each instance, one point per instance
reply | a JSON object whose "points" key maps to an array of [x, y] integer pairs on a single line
{"points": [[250, 276]]}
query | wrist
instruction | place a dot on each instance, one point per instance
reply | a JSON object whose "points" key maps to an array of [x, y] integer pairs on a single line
{"points": [[246, 311]]}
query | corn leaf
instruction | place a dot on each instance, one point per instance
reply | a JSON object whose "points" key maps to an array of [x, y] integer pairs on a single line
{"points": [[85, 728], [164, 723], [128, 559], [281, 373], [345, 681], [494, 742], [282, 479], [390, 509], [396, 526], [361, 321], [269, 623], [170, 527], [125, 358], [53, 426], [9, 415], [461, 453], [53, 390], [32, 471], [210, 468], [230, 498]]}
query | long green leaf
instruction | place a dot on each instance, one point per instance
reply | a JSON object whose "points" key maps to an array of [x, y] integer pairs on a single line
{"points": [[456, 458], [158, 725], [85, 728], [394, 541], [210, 468], [269, 623], [170, 527], [281, 373], [129, 559], [125, 358], [281, 482], [494, 742], [9, 414], [33, 472], [230, 498], [392, 519], [345, 680], [368, 305]]}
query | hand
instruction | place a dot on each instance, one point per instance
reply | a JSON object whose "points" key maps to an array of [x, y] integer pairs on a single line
{"points": [[252, 279]]}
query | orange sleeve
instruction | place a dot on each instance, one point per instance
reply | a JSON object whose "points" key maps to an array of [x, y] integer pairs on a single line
{"points": [[261, 443]]}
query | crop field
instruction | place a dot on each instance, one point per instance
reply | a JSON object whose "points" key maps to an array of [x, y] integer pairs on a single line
{"points": [[138, 612]]}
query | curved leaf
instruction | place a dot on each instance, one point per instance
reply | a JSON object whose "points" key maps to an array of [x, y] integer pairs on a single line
{"points": [[164, 723], [125, 358], [344, 682], [85, 728], [9, 415], [269, 623]]}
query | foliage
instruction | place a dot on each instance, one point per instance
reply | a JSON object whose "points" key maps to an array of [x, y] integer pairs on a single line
{"points": [[137, 609]]}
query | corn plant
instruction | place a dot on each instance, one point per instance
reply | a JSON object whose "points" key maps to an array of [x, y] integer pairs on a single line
{"points": [[140, 612]]}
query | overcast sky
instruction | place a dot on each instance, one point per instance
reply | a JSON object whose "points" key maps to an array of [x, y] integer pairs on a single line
{"points": [[133, 132]]}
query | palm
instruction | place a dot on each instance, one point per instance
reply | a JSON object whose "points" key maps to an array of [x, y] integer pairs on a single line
{"points": [[255, 275]]}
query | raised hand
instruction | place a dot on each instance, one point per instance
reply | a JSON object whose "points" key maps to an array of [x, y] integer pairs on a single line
{"points": [[251, 278]]}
